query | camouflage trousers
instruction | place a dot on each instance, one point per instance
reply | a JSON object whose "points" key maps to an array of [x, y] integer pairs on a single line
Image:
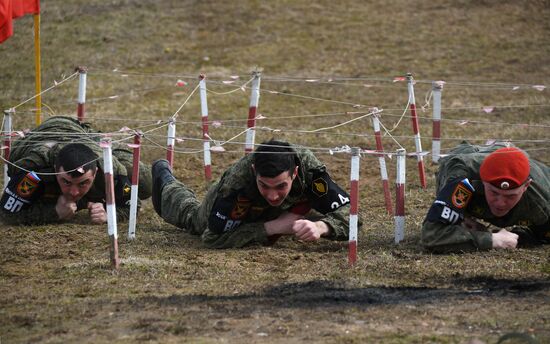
{"points": [[180, 207]]}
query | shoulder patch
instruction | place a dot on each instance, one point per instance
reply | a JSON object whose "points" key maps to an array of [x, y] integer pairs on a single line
{"points": [[319, 187], [324, 194], [28, 185], [461, 196], [451, 202], [241, 208]]}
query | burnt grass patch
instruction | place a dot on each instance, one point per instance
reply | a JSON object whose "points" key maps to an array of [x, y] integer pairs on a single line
{"points": [[327, 294]]}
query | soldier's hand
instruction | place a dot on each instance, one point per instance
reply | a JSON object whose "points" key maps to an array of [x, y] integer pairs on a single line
{"points": [[98, 214], [65, 207], [282, 225], [505, 239], [309, 231]]}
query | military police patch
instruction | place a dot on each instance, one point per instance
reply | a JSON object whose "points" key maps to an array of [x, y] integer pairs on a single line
{"points": [[461, 196], [241, 208], [319, 187], [28, 185]]}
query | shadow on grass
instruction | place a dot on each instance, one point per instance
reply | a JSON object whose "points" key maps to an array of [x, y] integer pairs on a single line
{"points": [[326, 294]]}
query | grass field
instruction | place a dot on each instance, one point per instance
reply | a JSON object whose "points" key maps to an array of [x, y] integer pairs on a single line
{"points": [[322, 64]]}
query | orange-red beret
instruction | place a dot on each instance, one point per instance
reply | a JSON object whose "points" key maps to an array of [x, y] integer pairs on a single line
{"points": [[505, 168]]}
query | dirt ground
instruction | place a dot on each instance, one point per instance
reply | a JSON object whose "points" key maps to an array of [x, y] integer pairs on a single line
{"points": [[57, 286]]}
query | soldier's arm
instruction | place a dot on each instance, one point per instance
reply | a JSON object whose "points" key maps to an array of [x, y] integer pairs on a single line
{"points": [[533, 235], [125, 161], [122, 212], [442, 237], [20, 207], [329, 199], [246, 234], [123, 192], [40, 213], [338, 223], [226, 225], [444, 229]]}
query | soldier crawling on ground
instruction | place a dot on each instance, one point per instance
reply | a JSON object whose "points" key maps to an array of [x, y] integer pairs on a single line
{"points": [[52, 176], [497, 184], [263, 196]]}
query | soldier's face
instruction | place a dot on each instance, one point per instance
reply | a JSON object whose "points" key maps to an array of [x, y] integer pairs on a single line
{"points": [[74, 188], [275, 189], [502, 201]]}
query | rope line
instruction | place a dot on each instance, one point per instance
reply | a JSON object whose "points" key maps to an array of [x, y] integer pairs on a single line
{"points": [[355, 105], [240, 88], [316, 79], [175, 115], [46, 90], [400, 119]]}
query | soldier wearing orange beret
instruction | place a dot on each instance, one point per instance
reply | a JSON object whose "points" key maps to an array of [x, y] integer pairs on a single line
{"points": [[480, 186]]}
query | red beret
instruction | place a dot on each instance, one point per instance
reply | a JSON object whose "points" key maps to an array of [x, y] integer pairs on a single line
{"points": [[505, 168]]}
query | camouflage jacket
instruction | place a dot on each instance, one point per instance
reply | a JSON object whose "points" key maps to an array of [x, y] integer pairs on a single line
{"points": [[30, 200], [461, 194], [236, 202]]}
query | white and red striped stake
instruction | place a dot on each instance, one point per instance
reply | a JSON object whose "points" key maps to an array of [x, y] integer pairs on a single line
{"points": [[417, 142], [400, 196], [7, 144], [81, 92], [354, 195], [382, 161], [110, 200], [252, 110], [135, 186], [170, 142], [205, 137], [436, 131]]}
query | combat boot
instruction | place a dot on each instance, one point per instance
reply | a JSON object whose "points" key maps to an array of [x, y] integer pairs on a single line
{"points": [[162, 175]]}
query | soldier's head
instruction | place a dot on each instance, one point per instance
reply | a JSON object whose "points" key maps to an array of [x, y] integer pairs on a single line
{"points": [[76, 168], [274, 164], [505, 176]]}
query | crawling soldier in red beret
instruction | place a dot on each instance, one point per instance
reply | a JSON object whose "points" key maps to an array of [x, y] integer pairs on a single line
{"points": [[497, 184]]}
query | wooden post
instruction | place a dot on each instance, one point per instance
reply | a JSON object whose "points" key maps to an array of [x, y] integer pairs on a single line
{"points": [[354, 195], [110, 200], [416, 129], [205, 136], [252, 111], [81, 92], [135, 186], [400, 196]]}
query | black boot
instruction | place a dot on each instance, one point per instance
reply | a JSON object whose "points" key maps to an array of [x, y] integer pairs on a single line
{"points": [[162, 175]]}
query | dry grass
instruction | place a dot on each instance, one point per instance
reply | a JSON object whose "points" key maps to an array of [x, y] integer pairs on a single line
{"points": [[56, 284]]}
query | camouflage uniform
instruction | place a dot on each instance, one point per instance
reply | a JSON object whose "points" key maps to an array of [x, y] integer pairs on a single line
{"points": [[461, 194], [233, 212], [37, 152]]}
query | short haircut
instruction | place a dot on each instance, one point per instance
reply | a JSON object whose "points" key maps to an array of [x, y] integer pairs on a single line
{"points": [[273, 157], [76, 155]]}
